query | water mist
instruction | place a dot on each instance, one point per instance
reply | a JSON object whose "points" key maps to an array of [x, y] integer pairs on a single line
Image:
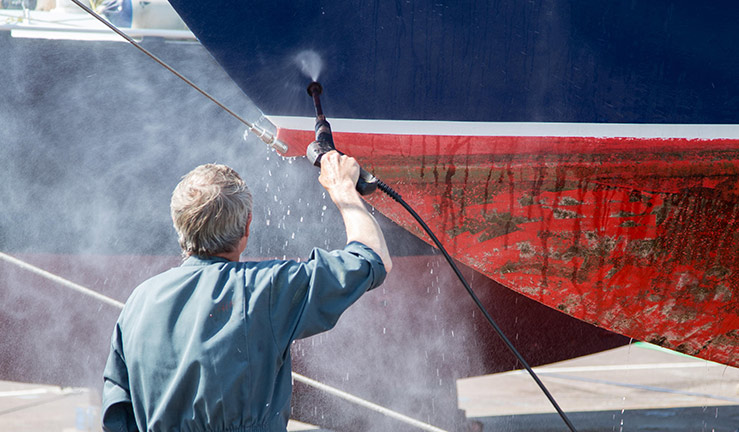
{"points": [[310, 64]]}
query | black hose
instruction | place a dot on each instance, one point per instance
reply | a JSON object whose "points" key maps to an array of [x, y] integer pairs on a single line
{"points": [[396, 196]]}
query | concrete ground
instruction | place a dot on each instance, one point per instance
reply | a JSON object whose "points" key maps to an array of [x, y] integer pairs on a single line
{"points": [[633, 388], [41, 408], [638, 387]]}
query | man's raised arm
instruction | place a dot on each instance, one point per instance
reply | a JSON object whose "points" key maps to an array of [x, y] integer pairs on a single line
{"points": [[339, 174]]}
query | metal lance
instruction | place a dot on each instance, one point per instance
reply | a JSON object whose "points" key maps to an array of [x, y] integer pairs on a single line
{"points": [[324, 143]]}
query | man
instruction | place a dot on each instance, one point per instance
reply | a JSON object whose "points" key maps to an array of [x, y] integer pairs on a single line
{"points": [[206, 346]]}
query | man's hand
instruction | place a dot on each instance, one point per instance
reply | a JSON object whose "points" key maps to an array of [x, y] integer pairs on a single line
{"points": [[339, 175], [338, 172]]}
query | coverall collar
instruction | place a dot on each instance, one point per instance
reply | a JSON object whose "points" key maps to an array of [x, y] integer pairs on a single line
{"points": [[195, 260]]}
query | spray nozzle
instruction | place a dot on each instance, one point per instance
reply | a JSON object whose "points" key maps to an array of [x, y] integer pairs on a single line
{"points": [[314, 88], [324, 142]]}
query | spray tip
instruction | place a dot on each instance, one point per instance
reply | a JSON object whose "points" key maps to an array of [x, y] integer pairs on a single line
{"points": [[314, 87]]}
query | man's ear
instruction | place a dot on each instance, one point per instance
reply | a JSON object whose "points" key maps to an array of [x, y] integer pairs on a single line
{"points": [[248, 223]]}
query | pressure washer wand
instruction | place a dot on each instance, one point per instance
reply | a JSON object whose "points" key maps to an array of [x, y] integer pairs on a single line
{"points": [[324, 143]]}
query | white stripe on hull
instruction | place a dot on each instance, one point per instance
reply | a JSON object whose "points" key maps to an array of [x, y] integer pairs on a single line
{"points": [[521, 129]]}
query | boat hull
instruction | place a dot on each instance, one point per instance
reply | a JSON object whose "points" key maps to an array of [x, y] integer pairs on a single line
{"points": [[636, 233]]}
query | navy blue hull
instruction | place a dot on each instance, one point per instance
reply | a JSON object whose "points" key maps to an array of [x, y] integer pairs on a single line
{"points": [[554, 61]]}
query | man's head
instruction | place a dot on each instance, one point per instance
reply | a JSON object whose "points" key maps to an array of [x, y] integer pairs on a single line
{"points": [[211, 208]]}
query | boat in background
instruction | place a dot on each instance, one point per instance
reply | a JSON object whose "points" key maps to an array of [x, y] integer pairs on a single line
{"points": [[584, 156], [62, 19]]}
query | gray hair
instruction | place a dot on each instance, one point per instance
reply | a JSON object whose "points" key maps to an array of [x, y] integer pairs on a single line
{"points": [[210, 208]]}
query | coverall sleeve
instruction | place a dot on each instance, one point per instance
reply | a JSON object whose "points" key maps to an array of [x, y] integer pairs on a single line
{"points": [[308, 298], [117, 411]]}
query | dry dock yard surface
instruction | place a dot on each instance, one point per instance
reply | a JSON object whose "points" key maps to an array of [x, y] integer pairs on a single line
{"points": [[638, 387], [633, 388]]}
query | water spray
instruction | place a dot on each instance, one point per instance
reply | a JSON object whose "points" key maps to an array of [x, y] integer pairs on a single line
{"points": [[310, 63], [324, 143], [296, 376]]}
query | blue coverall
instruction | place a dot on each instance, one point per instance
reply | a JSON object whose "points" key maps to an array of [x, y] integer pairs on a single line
{"points": [[206, 346]]}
